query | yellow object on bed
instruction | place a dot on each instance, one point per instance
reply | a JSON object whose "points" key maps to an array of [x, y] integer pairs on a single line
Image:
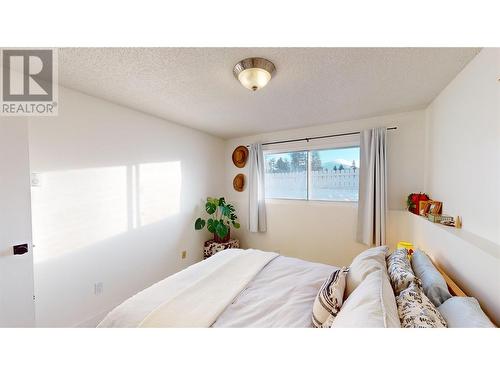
{"points": [[405, 245]]}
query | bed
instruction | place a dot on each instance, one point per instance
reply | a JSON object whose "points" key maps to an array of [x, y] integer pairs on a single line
{"points": [[244, 288], [278, 292]]}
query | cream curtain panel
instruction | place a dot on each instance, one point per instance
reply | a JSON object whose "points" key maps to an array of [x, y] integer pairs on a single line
{"points": [[372, 205], [256, 190]]}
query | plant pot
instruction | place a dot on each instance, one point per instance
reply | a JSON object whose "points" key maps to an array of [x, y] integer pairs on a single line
{"points": [[224, 239]]}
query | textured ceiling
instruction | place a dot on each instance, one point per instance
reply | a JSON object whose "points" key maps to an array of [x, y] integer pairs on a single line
{"points": [[313, 86]]}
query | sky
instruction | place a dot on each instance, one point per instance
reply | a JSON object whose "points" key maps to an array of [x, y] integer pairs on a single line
{"points": [[342, 155], [339, 155]]}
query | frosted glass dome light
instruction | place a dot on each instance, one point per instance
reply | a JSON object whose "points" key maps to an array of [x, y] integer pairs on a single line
{"points": [[254, 73]]}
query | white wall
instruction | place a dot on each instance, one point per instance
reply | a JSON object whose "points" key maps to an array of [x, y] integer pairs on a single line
{"points": [[463, 167], [16, 272], [325, 231], [118, 197]]}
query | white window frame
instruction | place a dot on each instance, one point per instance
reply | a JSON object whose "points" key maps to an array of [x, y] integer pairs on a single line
{"points": [[353, 142]]}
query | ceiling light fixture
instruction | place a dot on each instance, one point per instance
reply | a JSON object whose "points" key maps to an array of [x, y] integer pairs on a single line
{"points": [[254, 73]]}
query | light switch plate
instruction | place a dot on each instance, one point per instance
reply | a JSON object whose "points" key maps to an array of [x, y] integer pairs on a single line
{"points": [[98, 288], [36, 179]]}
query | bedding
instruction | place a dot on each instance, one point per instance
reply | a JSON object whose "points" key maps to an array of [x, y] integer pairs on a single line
{"points": [[194, 296], [433, 283], [280, 294], [370, 305], [365, 263], [200, 302], [464, 312], [416, 310], [400, 271], [253, 288], [329, 298]]}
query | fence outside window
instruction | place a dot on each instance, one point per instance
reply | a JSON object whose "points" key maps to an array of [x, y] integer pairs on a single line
{"points": [[313, 175]]}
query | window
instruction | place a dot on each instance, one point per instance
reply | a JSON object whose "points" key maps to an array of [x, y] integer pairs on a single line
{"points": [[286, 175], [328, 174]]}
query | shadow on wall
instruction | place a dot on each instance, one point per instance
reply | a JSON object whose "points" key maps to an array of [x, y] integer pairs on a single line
{"points": [[74, 209]]}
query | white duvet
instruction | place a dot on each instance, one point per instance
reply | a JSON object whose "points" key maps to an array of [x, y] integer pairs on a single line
{"points": [[281, 295], [234, 288]]}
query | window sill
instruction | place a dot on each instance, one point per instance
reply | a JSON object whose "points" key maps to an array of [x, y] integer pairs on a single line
{"points": [[285, 201]]}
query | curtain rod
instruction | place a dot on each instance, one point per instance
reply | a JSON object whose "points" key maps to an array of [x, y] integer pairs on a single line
{"points": [[318, 137]]}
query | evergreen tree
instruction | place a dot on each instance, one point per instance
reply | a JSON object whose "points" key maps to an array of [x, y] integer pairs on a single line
{"points": [[282, 166], [287, 165], [341, 167], [315, 161], [353, 165], [271, 165], [299, 161]]}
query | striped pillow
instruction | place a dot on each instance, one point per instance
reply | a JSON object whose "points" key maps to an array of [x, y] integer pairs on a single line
{"points": [[329, 298]]}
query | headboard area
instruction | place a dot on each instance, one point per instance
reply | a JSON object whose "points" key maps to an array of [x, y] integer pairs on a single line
{"points": [[452, 286], [470, 264]]}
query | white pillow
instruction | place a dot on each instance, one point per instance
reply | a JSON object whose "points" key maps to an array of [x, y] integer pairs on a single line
{"points": [[371, 305], [464, 312], [365, 263]]}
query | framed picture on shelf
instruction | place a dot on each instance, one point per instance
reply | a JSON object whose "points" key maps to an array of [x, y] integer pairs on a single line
{"points": [[435, 207], [423, 208]]}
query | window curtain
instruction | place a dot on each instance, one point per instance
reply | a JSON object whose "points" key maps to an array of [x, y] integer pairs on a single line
{"points": [[372, 205], [256, 191]]}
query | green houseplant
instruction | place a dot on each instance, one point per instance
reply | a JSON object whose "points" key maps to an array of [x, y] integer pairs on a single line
{"points": [[222, 216]]}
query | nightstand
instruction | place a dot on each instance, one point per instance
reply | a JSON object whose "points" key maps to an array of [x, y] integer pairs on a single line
{"points": [[211, 247]]}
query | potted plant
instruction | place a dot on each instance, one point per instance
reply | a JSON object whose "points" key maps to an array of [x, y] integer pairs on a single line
{"points": [[222, 216]]}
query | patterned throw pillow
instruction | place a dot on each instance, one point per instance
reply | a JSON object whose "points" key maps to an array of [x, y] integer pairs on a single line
{"points": [[400, 271], [416, 310], [329, 298]]}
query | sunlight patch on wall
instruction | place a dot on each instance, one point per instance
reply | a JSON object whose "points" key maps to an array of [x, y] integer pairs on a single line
{"points": [[159, 191], [75, 208]]}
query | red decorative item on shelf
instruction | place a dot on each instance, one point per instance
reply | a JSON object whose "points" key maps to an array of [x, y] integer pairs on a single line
{"points": [[413, 201]]}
